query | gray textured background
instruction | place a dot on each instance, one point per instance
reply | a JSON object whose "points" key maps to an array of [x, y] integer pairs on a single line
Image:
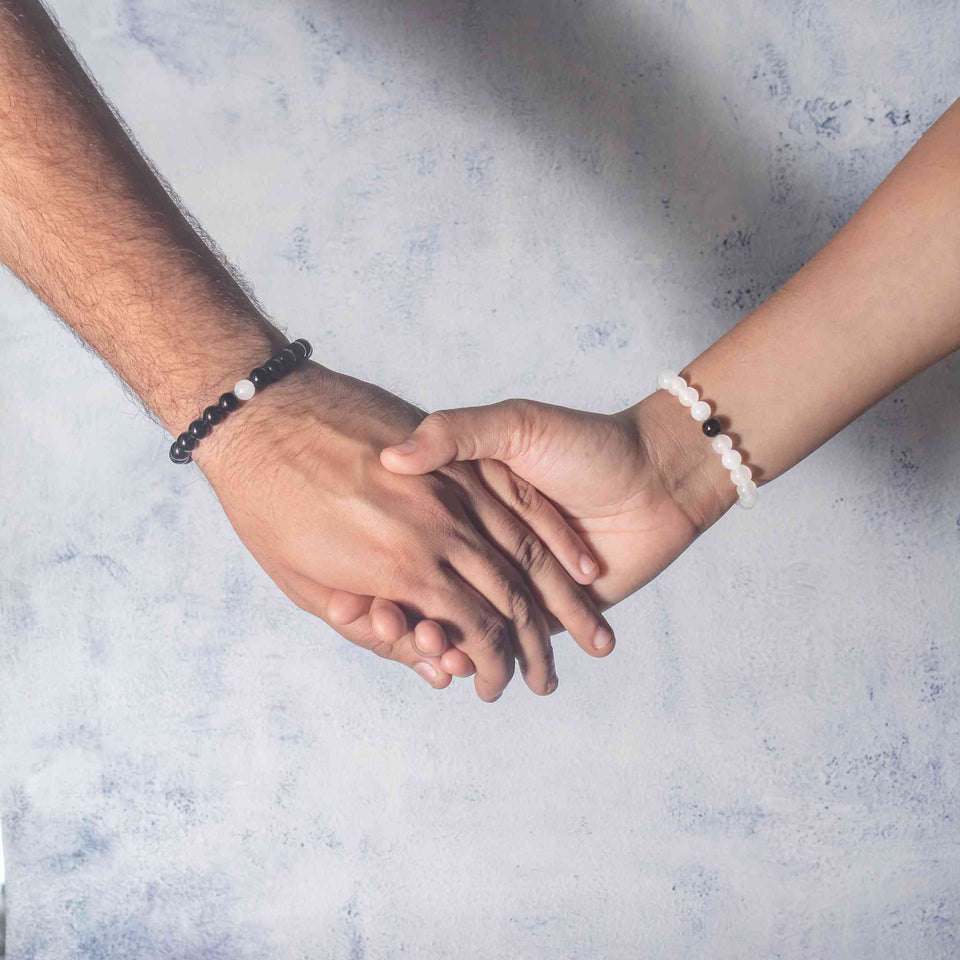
{"points": [[464, 201]]}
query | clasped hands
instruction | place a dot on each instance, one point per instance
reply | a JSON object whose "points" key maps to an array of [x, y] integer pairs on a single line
{"points": [[457, 543]]}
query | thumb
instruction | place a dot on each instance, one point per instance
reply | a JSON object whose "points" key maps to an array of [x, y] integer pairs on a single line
{"points": [[497, 431]]}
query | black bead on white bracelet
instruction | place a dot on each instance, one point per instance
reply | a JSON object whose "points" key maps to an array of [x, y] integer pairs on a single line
{"points": [[740, 473], [275, 369]]}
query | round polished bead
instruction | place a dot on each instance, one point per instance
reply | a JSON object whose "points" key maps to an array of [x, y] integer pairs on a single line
{"points": [[198, 429], [244, 389], [711, 427], [212, 415], [228, 402], [275, 369], [688, 396], [306, 347], [178, 454], [664, 378], [731, 459], [288, 359], [721, 444], [741, 475], [298, 349], [676, 385], [747, 495], [259, 377], [700, 410], [186, 442]]}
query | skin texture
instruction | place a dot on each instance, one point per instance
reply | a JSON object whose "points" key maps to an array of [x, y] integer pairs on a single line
{"points": [[301, 482], [879, 303], [92, 230]]}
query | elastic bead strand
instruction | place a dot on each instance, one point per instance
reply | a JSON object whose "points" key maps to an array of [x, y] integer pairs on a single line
{"points": [[740, 474], [271, 371]]}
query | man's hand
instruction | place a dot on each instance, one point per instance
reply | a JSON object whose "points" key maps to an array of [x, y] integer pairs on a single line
{"points": [[299, 477]]}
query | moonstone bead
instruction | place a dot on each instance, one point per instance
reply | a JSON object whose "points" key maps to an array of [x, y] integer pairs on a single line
{"points": [[688, 396], [741, 475], [721, 444], [747, 495], [700, 410], [244, 389], [731, 459], [676, 385], [664, 378]]}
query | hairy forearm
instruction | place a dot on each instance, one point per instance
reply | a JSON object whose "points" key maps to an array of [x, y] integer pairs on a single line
{"points": [[89, 227], [879, 303]]}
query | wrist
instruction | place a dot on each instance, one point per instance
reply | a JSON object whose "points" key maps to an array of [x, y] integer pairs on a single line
{"points": [[274, 414], [177, 388], [682, 457]]}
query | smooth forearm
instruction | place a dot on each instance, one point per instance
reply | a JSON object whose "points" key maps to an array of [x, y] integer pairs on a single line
{"points": [[88, 226], [879, 303]]}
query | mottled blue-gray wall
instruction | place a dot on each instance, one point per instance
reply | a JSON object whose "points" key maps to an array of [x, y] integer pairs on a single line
{"points": [[464, 201]]}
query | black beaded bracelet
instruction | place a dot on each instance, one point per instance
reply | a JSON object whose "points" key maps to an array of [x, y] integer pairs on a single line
{"points": [[274, 370]]}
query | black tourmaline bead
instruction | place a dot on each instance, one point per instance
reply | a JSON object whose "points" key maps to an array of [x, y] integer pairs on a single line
{"points": [[299, 349], [228, 402], [212, 415], [306, 346], [711, 427], [178, 454], [259, 377], [186, 442], [198, 429], [288, 358], [275, 368]]}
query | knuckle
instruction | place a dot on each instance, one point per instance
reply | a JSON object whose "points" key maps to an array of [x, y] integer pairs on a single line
{"points": [[525, 496], [521, 605], [532, 555], [438, 420], [386, 649], [492, 635]]}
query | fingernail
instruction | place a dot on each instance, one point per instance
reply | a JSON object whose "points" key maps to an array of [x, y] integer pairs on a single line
{"points": [[408, 446], [587, 565], [425, 671], [602, 638], [552, 684]]}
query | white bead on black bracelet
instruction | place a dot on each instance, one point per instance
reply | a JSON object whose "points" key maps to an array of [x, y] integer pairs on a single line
{"points": [[740, 474]]}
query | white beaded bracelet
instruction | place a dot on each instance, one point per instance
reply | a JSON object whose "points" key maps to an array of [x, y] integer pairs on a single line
{"points": [[740, 473]]}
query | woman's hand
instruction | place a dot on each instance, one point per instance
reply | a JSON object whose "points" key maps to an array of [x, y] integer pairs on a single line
{"points": [[638, 485], [299, 477]]}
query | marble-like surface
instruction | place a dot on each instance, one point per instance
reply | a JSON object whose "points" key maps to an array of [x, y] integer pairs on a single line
{"points": [[464, 201]]}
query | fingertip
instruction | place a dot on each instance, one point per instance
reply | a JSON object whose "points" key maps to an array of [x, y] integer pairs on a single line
{"points": [[387, 620], [398, 459], [457, 663], [438, 679], [589, 569], [603, 641], [344, 608], [429, 638]]}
